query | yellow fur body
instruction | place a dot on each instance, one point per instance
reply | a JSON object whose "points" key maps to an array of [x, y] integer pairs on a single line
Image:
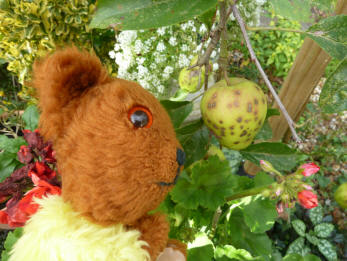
{"points": [[57, 233]]}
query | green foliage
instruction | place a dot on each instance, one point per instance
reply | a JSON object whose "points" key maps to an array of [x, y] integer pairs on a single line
{"points": [[277, 50], [12, 237], [297, 257], [297, 10], [229, 252], [30, 29], [241, 236], [8, 163], [333, 95], [10, 145], [178, 111], [203, 253], [316, 214], [331, 35], [317, 237], [299, 226], [146, 14], [278, 154], [265, 133], [31, 117], [207, 184], [259, 213]]}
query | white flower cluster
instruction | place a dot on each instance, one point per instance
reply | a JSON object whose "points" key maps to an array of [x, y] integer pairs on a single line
{"points": [[154, 58]]}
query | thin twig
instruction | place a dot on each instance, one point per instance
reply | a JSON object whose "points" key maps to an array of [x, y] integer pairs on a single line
{"points": [[215, 36], [267, 82], [207, 71], [226, 77]]}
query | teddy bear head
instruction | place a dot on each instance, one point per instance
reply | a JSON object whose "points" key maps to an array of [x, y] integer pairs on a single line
{"points": [[116, 148]]}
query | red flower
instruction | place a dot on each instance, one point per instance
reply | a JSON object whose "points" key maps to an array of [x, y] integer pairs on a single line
{"points": [[48, 154], [24, 154], [17, 213], [309, 169], [308, 199], [43, 171]]}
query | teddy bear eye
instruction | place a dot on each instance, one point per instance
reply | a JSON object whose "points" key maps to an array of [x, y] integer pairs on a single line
{"points": [[140, 117]]}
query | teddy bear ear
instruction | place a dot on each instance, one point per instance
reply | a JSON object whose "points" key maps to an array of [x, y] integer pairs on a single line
{"points": [[60, 80]]}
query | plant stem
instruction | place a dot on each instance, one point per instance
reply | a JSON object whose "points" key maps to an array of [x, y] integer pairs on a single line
{"points": [[215, 36], [223, 54], [251, 192], [266, 28], [260, 69], [215, 220]]}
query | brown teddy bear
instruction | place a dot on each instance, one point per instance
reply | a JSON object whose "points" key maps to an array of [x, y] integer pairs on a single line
{"points": [[118, 157]]}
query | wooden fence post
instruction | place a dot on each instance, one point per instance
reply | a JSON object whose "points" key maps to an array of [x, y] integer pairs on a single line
{"points": [[308, 68]]}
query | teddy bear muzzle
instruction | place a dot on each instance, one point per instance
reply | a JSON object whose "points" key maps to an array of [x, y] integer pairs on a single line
{"points": [[180, 159]]}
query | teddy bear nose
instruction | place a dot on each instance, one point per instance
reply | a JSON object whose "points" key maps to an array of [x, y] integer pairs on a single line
{"points": [[180, 157]]}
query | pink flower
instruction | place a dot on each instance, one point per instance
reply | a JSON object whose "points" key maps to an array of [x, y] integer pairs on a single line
{"points": [[309, 169], [280, 207], [308, 199]]}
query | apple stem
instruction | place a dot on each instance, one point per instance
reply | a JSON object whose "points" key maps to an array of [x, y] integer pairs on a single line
{"points": [[291, 123]]}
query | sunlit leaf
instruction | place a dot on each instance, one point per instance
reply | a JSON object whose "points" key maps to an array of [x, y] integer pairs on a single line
{"points": [[331, 35], [298, 10], [203, 253], [208, 184], [260, 213], [145, 14]]}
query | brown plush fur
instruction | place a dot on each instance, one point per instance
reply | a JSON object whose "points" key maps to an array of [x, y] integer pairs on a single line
{"points": [[110, 169]]}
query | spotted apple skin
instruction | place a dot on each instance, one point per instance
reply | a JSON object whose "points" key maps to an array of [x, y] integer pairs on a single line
{"points": [[188, 80], [234, 113]]}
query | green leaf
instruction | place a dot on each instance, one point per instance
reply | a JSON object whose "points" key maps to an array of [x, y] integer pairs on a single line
{"points": [[11, 145], [178, 111], [310, 257], [297, 246], [203, 253], [12, 238], [8, 163], [316, 214], [262, 179], [333, 97], [299, 226], [272, 112], [4, 4], [209, 183], [298, 10], [331, 35], [324, 229], [242, 238], [278, 154], [2, 61], [145, 14], [297, 257], [327, 249], [194, 139], [260, 213], [31, 117], [207, 17], [265, 133], [312, 239], [229, 252]]}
